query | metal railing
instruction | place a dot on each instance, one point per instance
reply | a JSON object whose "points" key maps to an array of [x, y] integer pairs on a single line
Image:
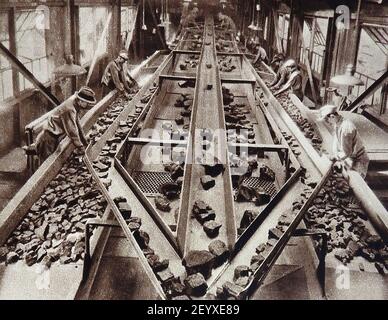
{"points": [[373, 99], [316, 61]]}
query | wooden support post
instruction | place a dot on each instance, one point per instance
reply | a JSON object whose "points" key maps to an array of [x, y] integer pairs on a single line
{"points": [[276, 28], [357, 34], [308, 65], [12, 48], [311, 45], [329, 54], [375, 85], [74, 39], [156, 25]]}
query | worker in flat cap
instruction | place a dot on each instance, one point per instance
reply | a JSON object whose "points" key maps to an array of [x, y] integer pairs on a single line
{"points": [[227, 22], [261, 55], [294, 80], [61, 122], [188, 21], [348, 150], [277, 61], [116, 76]]}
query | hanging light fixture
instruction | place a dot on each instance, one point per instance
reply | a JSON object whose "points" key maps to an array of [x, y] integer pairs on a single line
{"points": [[167, 19], [161, 24], [257, 27], [252, 25], [144, 26], [347, 79], [69, 69]]}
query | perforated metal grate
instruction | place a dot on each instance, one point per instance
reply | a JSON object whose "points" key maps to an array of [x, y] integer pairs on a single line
{"points": [[255, 182], [149, 181]]}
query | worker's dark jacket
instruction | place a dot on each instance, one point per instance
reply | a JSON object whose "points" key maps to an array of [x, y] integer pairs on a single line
{"points": [[63, 121], [115, 74]]}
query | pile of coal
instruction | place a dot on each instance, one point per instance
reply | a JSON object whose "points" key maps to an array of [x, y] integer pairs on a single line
{"points": [[123, 207], [247, 219], [227, 96], [199, 261], [220, 251], [247, 193], [335, 212], [226, 64], [203, 212], [171, 190]]}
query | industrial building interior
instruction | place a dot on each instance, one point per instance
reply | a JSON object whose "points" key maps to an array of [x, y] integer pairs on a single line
{"points": [[207, 169]]}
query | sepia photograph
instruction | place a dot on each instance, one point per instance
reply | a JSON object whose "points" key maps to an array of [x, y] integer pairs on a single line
{"points": [[198, 150]]}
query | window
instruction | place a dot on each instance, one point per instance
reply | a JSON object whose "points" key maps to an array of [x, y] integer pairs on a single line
{"points": [[31, 47], [316, 54], [6, 85], [283, 24], [92, 22], [372, 62], [128, 19]]}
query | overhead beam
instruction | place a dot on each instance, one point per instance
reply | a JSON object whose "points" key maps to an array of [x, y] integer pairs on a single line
{"points": [[368, 92]]}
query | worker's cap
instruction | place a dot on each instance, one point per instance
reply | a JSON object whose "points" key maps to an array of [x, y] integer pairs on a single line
{"points": [[325, 111], [290, 63], [278, 57], [86, 94], [123, 54]]}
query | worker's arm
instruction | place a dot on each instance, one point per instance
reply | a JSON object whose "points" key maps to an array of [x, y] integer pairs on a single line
{"points": [[279, 79], [287, 86], [81, 132], [69, 121], [346, 141], [116, 78]]}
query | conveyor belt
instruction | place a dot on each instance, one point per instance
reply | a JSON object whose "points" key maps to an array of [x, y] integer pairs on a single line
{"points": [[173, 234]]}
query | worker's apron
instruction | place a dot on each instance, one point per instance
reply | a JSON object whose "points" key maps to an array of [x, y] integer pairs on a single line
{"points": [[360, 163]]}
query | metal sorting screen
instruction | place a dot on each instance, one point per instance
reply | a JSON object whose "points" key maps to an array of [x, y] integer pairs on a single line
{"points": [[256, 182], [149, 181]]}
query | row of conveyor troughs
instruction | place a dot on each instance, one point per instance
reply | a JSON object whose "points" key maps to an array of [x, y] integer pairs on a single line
{"points": [[199, 263], [143, 213], [352, 239]]}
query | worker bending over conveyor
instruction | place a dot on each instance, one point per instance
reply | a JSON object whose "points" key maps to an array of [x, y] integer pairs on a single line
{"points": [[63, 121], [348, 150], [227, 23], [116, 76], [188, 21], [261, 55], [281, 75], [294, 80]]}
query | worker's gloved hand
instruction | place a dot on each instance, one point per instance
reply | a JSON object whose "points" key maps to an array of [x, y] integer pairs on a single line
{"points": [[333, 158], [81, 150], [338, 166]]}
